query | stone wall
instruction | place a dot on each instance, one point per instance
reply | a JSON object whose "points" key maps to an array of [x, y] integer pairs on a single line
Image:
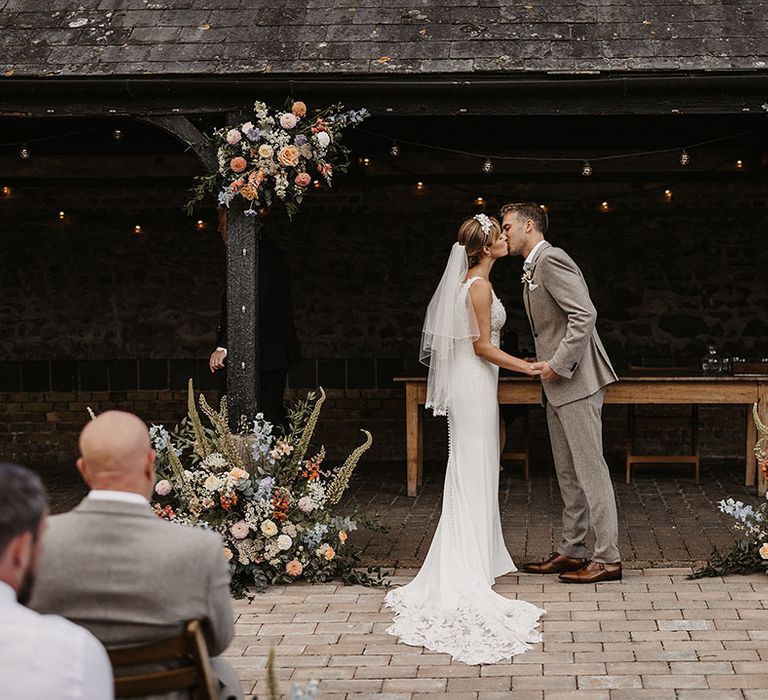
{"points": [[93, 312]]}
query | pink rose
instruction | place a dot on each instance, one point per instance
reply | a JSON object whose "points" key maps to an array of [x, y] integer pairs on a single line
{"points": [[233, 137], [294, 568], [238, 164], [163, 488], [239, 530], [288, 120], [303, 179]]}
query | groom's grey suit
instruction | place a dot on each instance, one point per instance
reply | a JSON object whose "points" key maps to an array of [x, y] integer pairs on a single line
{"points": [[562, 319], [131, 578]]}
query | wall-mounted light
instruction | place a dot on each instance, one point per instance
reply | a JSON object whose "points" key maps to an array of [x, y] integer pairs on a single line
{"points": [[668, 195], [200, 225], [6, 191], [739, 163], [62, 216], [604, 206], [137, 229]]}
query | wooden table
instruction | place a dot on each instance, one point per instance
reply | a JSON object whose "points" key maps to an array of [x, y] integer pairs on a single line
{"points": [[741, 390]]}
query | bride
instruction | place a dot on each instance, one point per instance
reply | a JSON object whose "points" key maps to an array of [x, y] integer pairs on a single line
{"points": [[450, 606]]}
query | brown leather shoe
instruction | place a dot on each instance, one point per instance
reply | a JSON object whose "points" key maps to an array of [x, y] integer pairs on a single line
{"points": [[593, 572], [556, 564]]}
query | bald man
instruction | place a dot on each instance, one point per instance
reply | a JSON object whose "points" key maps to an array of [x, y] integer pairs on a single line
{"points": [[114, 567]]}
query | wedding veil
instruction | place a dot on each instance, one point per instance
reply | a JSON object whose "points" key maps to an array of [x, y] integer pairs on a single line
{"points": [[449, 322]]}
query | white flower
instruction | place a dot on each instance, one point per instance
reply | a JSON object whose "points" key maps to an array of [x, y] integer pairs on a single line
{"points": [[239, 530], [322, 139], [284, 542], [306, 504], [215, 460], [163, 487], [268, 528], [290, 529], [212, 482], [233, 137], [288, 120]]}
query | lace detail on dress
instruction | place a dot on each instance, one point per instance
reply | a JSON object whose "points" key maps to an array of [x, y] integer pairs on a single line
{"points": [[470, 632]]}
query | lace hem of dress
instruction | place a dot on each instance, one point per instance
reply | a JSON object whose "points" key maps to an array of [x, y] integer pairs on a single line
{"points": [[468, 633]]}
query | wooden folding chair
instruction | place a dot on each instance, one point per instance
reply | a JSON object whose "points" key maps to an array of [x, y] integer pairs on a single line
{"points": [[189, 647]]}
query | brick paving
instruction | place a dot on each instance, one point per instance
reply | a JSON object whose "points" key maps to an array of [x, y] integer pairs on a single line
{"points": [[654, 635]]}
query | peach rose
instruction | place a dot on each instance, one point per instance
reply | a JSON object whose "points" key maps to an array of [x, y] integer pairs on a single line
{"points": [[329, 553], [342, 536], [294, 568], [236, 474], [303, 179], [227, 553], [764, 550], [265, 151], [299, 109], [288, 156], [238, 164], [250, 192]]}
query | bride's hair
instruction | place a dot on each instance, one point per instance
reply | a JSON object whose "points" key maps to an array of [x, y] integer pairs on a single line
{"points": [[474, 236]]}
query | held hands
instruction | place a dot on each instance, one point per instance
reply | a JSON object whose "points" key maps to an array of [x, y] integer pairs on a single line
{"points": [[546, 373], [217, 360]]}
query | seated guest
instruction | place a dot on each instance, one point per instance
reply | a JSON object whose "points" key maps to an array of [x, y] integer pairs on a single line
{"points": [[41, 656], [113, 566]]}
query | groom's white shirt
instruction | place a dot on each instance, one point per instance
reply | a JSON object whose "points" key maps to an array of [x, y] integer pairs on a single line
{"points": [[532, 254]]}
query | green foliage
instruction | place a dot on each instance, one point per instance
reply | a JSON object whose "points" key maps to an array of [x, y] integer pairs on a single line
{"points": [[743, 558]]}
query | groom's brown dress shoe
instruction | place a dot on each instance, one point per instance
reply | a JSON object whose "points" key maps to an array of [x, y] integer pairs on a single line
{"points": [[556, 564], [593, 572]]}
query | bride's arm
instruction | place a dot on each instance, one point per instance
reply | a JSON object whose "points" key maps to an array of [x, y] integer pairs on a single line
{"points": [[480, 293]]}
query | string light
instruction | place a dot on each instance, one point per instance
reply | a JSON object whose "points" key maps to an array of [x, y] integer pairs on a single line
{"points": [[394, 150], [137, 229], [545, 208], [586, 169], [6, 191], [488, 166], [117, 134], [684, 158], [24, 152], [604, 206], [419, 186], [316, 184], [739, 163], [668, 195], [365, 162], [61, 216], [479, 202], [200, 224]]}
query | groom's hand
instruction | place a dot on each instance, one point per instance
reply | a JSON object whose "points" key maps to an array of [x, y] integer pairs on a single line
{"points": [[547, 373]]}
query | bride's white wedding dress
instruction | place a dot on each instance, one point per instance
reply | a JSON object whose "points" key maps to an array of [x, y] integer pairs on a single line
{"points": [[450, 606]]}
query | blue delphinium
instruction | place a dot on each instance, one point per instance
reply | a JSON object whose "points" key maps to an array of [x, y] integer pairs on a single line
{"points": [[262, 438], [313, 537]]}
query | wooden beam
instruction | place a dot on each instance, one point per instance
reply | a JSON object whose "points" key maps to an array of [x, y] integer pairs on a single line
{"points": [[183, 129]]}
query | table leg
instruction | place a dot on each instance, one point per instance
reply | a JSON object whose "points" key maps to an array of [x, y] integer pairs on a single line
{"points": [[412, 437], [420, 446], [751, 461]]}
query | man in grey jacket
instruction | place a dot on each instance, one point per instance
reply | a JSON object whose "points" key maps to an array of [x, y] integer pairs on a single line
{"points": [[574, 371], [114, 567]]}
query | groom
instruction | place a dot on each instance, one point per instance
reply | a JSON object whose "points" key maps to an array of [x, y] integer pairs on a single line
{"points": [[574, 372]]}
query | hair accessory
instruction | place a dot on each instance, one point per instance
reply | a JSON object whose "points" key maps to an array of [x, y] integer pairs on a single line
{"points": [[485, 223]]}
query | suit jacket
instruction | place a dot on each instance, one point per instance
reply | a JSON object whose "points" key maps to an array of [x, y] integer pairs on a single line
{"points": [[278, 344], [129, 577], [562, 319]]}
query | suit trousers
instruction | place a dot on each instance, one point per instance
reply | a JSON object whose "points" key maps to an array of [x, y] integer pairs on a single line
{"points": [[576, 434]]}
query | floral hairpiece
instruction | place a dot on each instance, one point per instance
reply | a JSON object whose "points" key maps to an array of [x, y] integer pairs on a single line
{"points": [[485, 223]]}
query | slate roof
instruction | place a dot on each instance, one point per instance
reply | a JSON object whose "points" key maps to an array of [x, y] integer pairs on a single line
{"points": [[374, 37]]}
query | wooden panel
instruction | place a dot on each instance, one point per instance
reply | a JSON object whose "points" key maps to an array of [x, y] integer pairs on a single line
{"points": [[685, 392]]}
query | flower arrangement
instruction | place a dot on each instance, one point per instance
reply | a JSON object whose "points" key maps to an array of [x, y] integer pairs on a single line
{"points": [[751, 554], [271, 503], [278, 154]]}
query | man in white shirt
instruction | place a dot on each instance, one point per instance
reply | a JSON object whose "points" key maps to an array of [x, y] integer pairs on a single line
{"points": [[128, 576], [41, 656]]}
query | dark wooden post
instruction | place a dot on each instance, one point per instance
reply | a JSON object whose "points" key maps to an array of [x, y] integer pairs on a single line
{"points": [[242, 312], [242, 277]]}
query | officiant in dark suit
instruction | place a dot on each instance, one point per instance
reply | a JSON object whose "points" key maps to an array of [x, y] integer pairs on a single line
{"points": [[278, 343]]}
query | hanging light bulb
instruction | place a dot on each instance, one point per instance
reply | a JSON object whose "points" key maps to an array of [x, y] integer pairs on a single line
{"points": [[419, 186], [365, 162], [604, 206], [479, 201], [137, 229], [6, 191], [61, 216], [316, 184], [200, 224], [739, 164], [394, 150], [24, 152], [684, 158], [487, 166], [668, 195], [117, 134], [586, 169]]}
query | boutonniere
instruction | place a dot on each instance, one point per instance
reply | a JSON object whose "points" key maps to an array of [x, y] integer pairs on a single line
{"points": [[527, 278]]}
